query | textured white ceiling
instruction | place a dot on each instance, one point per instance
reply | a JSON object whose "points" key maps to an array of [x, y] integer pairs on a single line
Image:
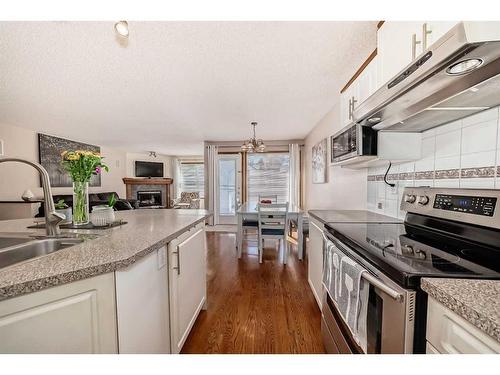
{"points": [[175, 84]]}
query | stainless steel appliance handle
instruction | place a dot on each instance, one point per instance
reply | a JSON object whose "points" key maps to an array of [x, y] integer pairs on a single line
{"points": [[414, 43], [350, 109], [425, 33], [377, 282]]}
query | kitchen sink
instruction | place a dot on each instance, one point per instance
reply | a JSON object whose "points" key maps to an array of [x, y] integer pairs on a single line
{"points": [[15, 249]]}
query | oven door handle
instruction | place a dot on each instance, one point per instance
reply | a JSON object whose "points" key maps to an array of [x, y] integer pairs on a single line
{"points": [[377, 283]]}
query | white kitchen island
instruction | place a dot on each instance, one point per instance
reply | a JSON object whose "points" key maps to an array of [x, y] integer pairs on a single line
{"points": [[137, 288]]}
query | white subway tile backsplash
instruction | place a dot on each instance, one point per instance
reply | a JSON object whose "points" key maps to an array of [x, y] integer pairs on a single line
{"points": [[391, 208], [477, 183], [448, 144], [447, 183], [451, 162], [478, 159], [490, 114], [429, 183], [479, 137], [451, 126], [464, 153]]}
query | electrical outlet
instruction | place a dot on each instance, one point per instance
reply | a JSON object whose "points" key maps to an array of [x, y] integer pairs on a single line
{"points": [[1, 147], [380, 205]]}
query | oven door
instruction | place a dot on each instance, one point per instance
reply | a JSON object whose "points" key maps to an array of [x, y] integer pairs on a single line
{"points": [[390, 317]]}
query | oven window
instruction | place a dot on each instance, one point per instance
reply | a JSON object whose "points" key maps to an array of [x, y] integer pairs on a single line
{"points": [[344, 143], [374, 322]]}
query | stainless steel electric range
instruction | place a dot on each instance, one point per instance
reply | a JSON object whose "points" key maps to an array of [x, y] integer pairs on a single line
{"points": [[453, 233]]}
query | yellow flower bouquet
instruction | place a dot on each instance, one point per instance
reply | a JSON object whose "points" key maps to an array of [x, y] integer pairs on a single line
{"points": [[81, 166]]}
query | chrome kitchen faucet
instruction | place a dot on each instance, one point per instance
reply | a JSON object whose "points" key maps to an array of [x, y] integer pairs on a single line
{"points": [[52, 218]]}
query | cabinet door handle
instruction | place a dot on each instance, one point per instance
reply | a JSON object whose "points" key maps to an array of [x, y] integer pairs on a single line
{"points": [[354, 101], [425, 33], [414, 43], [178, 253], [349, 112]]}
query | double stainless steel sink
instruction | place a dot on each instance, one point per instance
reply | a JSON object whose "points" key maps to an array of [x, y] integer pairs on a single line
{"points": [[18, 247]]}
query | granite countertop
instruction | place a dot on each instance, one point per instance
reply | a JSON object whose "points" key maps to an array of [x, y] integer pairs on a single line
{"points": [[477, 301], [351, 216], [115, 248]]}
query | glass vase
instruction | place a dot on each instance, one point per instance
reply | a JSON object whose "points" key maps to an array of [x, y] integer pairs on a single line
{"points": [[80, 203]]}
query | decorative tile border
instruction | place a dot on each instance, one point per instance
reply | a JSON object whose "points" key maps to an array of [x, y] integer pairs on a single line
{"points": [[407, 176], [444, 174], [447, 174], [484, 172], [425, 175]]}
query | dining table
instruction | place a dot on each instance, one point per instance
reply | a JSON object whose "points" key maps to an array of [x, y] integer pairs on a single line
{"points": [[249, 211]]}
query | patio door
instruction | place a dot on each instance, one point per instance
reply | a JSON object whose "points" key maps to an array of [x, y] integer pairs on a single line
{"points": [[228, 194]]}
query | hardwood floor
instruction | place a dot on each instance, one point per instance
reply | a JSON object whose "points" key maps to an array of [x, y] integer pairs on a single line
{"points": [[252, 307]]}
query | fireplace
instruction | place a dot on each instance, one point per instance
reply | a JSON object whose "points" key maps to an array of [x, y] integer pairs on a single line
{"points": [[150, 198]]}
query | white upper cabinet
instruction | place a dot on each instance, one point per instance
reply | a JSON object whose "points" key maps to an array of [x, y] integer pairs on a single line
{"points": [[400, 42], [433, 30], [358, 91]]}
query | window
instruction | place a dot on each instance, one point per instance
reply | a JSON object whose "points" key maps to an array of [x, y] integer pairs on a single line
{"points": [[268, 174], [192, 178]]}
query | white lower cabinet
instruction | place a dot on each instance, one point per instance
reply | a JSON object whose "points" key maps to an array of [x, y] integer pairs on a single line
{"points": [[78, 317], [142, 305], [315, 258], [148, 307], [449, 333], [187, 283]]}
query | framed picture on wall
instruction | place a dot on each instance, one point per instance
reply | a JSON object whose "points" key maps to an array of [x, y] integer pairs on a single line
{"points": [[49, 152], [319, 162]]}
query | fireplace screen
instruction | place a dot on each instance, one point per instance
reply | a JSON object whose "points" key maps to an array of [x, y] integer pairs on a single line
{"points": [[149, 198]]}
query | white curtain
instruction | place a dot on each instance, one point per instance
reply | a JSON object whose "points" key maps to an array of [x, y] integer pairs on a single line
{"points": [[210, 179], [176, 175], [294, 174]]}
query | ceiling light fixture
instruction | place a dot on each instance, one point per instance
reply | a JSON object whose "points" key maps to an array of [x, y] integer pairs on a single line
{"points": [[253, 144], [464, 66], [121, 28]]}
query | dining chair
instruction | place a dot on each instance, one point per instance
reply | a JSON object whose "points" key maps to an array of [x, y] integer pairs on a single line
{"points": [[253, 224], [273, 222]]}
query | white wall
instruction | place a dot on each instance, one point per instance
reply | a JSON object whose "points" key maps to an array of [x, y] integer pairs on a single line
{"points": [[15, 178], [346, 188]]}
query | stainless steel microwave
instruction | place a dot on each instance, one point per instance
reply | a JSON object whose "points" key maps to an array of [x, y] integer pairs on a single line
{"points": [[354, 142]]}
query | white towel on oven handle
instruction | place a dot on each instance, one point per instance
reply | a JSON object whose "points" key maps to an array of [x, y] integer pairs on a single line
{"points": [[331, 274], [352, 299]]}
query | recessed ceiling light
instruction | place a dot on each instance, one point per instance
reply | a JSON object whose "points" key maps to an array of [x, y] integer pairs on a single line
{"points": [[464, 66], [374, 120], [121, 28]]}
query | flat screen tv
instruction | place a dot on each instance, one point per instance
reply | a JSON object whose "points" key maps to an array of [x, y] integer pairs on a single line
{"points": [[148, 169]]}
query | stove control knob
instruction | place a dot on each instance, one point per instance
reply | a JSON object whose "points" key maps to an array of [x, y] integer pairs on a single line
{"points": [[408, 249], [410, 198], [423, 200]]}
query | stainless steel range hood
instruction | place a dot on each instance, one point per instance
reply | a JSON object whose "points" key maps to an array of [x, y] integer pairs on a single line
{"points": [[429, 92]]}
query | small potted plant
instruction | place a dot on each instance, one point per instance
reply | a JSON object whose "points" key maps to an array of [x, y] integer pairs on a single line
{"points": [[63, 208], [104, 214]]}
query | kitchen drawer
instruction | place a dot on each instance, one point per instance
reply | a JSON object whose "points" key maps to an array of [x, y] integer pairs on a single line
{"points": [[448, 332]]}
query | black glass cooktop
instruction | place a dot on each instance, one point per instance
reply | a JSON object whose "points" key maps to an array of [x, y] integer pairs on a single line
{"points": [[406, 253]]}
